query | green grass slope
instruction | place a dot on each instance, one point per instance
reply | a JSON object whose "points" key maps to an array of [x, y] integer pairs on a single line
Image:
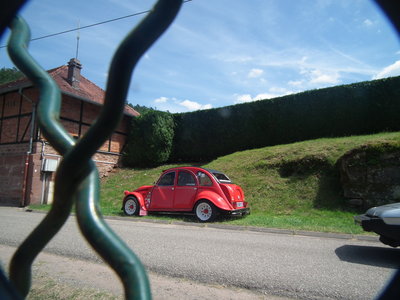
{"points": [[294, 186]]}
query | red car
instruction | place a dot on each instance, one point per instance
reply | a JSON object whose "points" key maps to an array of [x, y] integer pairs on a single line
{"points": [[204, 192]]}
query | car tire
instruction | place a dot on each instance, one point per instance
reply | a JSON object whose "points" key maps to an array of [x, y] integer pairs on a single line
{"points": [[205, 211], [131, 206], [388, 241]]}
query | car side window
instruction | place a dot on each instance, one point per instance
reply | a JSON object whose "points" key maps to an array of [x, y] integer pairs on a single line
{"points": [[186, 179], [167, 179], [204, 179]]}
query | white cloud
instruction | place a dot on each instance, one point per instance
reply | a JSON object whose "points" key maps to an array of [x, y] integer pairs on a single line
{"points": [[325, 78], [254, 73], [295, 82], [278, 90], [175, 105], [248, 98], [243, 98], [392, 70], [161, 100], [272, 93], [192, 105], [264, 96], [317, 76], [368, 22]]}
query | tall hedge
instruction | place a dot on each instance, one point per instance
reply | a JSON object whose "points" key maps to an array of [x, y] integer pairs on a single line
{"points": [[150, 140], [361, 108]]}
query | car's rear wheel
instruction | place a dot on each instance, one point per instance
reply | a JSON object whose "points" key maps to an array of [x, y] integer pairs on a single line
{"points": [[205, 211], [131, 206]]}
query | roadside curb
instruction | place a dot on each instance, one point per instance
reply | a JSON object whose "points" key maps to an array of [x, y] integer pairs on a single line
{"points": [[345, 236]]}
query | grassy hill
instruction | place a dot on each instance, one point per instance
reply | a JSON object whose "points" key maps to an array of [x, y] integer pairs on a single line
{"points": [[294, 186]]}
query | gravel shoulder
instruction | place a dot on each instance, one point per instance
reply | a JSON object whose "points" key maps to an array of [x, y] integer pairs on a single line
{"points": [[60, 277]]}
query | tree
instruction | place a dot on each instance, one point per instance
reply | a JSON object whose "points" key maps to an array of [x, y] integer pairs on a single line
{"points": [[141, 109], [9, 74], [151, 139]]}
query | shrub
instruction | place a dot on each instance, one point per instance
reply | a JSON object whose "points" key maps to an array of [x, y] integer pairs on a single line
{"points": [[355, 109], [150, 141]]}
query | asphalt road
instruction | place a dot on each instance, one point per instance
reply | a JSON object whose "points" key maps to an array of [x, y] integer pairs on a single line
{"points": [[297, 266]]}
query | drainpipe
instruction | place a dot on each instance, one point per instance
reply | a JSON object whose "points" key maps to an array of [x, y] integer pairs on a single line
{"points": [[24, 182], [24, 198], [43, 173]]}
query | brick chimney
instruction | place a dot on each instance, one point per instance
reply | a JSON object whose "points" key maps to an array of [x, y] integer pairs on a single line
{"points": [[74, 72]]}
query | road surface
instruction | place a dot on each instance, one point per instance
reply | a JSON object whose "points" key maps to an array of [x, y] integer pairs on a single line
{"points": [[287, 265]]}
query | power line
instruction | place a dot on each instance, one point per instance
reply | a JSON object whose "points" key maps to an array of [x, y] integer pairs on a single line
{"points": [[91, 25]]}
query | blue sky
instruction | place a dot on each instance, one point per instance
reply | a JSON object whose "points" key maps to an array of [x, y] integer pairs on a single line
{"points": [[222, 52]]}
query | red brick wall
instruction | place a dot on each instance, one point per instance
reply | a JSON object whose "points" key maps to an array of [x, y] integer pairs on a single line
{"points": [[91, 112], [70, 108], [14, 149], [11, 104], [34, 184], [15, 119], [12, 170], [16, 182]]}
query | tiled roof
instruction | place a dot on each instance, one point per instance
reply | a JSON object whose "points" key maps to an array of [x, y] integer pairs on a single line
{"points": [[86, 90]]}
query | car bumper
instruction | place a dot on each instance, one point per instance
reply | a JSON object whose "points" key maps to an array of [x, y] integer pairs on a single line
{"points": [[391, 232], [241, 211], [366, 222]]}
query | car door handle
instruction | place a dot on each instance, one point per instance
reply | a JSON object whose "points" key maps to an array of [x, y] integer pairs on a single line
{"points": [[173, 189]]}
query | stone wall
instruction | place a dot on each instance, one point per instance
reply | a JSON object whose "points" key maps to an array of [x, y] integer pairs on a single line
{"points": [[370, 178], [105, 162]]}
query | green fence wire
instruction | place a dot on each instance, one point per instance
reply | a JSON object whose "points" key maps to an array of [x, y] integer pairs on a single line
{"points": [[77, 179]]}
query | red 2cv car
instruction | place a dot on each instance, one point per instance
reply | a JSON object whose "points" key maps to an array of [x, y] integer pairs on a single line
{"points": [[204, 192]]}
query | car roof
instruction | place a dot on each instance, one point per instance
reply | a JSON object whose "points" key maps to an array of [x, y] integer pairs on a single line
{"points": [[193, 168], [214, 171]]}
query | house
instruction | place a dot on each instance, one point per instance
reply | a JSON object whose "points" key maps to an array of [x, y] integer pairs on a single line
{"points": [[27, 160]]}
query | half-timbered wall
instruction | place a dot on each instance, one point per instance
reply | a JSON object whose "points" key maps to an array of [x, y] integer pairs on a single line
{"points": [[15, 118], [23, 149]]}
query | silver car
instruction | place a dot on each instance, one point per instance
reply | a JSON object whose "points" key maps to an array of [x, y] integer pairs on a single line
{"points": [[383, 220]]}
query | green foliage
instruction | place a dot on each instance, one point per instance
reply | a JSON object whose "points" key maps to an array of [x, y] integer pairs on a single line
{"points": [[361, 108], [9, 74], [150, 140], [141, 108]]}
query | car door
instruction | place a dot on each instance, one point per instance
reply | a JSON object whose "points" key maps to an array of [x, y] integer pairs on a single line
{"points": [[162, 195], [185, 190]]}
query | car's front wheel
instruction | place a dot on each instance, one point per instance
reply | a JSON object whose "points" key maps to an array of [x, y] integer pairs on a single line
{"points": [[131, 206], [205, 211]]}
